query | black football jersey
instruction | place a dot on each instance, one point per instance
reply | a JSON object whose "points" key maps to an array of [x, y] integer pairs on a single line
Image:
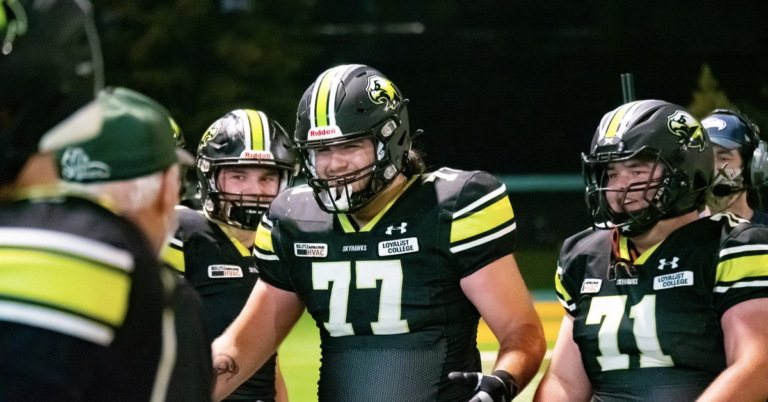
{"points": [[386, 297], [657, 336], [81, 303], [223, 272]]}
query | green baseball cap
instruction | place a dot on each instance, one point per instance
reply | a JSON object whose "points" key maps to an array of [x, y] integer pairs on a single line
{"points": [[136, 140]]}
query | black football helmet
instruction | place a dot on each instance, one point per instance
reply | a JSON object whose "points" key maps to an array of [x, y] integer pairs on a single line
{"points": [[50, 68], [664, 133], [243, 138], [347, 103]]}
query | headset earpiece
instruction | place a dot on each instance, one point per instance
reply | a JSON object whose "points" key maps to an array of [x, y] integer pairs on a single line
{"points": [[759, 165]]}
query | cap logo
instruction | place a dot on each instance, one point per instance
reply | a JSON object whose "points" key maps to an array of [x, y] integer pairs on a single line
{"points": [[381, 90], [76, 165], [713, 122], [256, 155], [687, 128], [324, 132]]}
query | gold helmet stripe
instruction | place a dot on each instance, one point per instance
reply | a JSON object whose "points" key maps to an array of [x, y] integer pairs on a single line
{"points": [[322, 112], [256, 142], [616, 119], [244, 118]]}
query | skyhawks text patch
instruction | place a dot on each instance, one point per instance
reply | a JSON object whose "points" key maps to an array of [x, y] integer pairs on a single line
{"points": [[400, 246], [310, 250], [224, 271]]}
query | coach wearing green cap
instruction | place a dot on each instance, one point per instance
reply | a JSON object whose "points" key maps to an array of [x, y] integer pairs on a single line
{"points": [[134, 164]]}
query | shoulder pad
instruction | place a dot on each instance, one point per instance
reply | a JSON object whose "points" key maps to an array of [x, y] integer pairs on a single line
{"points": [[191, 222], [297, 203], [587, 242], [459, 190]]}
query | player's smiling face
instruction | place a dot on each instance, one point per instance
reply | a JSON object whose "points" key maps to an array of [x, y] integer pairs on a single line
{"points": [[633, 174], [248, 180], [342, 159]]}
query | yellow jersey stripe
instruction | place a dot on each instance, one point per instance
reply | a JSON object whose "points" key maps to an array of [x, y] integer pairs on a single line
{"points": [[264, 239], [740, 268], [560, 289], [616, 120], [239, 246], [482, 221], [174, 258], [257, 131], [372, 223], [640, 260], [346, 224], [75, 285]]}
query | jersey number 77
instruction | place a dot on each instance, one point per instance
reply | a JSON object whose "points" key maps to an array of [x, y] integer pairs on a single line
{"points": [[367, 273]]}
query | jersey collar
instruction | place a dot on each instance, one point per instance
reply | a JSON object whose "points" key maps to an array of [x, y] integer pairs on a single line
{"points": [[626, 255], [223, 226], [349, 227]]}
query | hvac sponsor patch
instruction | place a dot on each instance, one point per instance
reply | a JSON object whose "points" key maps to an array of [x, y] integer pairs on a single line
{"points": [[669, 281], [400, 246], [591, 285], [224, 271], [310, 250]]}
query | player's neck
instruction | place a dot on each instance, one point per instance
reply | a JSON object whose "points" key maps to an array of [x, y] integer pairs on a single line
{"points": [[246, 237], [740, 207], [363, 216], [661, 230]]}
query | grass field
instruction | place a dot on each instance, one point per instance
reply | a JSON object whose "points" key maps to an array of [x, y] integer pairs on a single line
{"points": [[300, 353]]}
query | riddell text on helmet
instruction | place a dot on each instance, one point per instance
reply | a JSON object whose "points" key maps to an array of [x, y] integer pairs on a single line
{"points": [[324, 132]]}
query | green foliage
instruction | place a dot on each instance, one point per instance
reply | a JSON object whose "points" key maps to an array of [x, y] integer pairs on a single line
{"points": [[201, 63], [708, 96]]}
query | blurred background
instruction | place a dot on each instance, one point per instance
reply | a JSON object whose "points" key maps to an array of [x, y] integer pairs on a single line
{"points": [[512, 87]]}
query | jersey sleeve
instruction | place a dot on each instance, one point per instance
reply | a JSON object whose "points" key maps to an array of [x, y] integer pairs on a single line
{"points": [[266, 250], [571, 267], [742, 269], [482, 224], [173, 254]]}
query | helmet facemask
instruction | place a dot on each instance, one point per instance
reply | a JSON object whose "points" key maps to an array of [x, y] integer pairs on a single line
{"points": [[656, 192], [242, 211], [336, 194]]}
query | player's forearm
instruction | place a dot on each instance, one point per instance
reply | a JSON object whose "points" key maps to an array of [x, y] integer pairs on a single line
{"points": [[521, 351], [743, 381], [233, 363]]}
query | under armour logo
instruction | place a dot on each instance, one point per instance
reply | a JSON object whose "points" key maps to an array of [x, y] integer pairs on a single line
{"points": [[398, 229], [663, 263]]}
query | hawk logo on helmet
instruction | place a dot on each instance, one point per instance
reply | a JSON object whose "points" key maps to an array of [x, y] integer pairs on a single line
{"points": [[381, 90], [687, 128], [210, 134]]}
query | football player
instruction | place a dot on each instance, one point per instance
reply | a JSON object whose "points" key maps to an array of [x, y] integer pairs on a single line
{"points": [[396, 266], [81, 298], [734, 140], [244, 160], [661, 305]]}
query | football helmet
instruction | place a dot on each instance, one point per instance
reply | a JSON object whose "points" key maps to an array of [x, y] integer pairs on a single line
{"points": [[676, 143], [344, 104], [243, 137], [50, 68]]}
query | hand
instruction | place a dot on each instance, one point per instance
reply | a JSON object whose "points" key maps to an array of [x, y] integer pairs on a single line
{"points": [[497, 387]]}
